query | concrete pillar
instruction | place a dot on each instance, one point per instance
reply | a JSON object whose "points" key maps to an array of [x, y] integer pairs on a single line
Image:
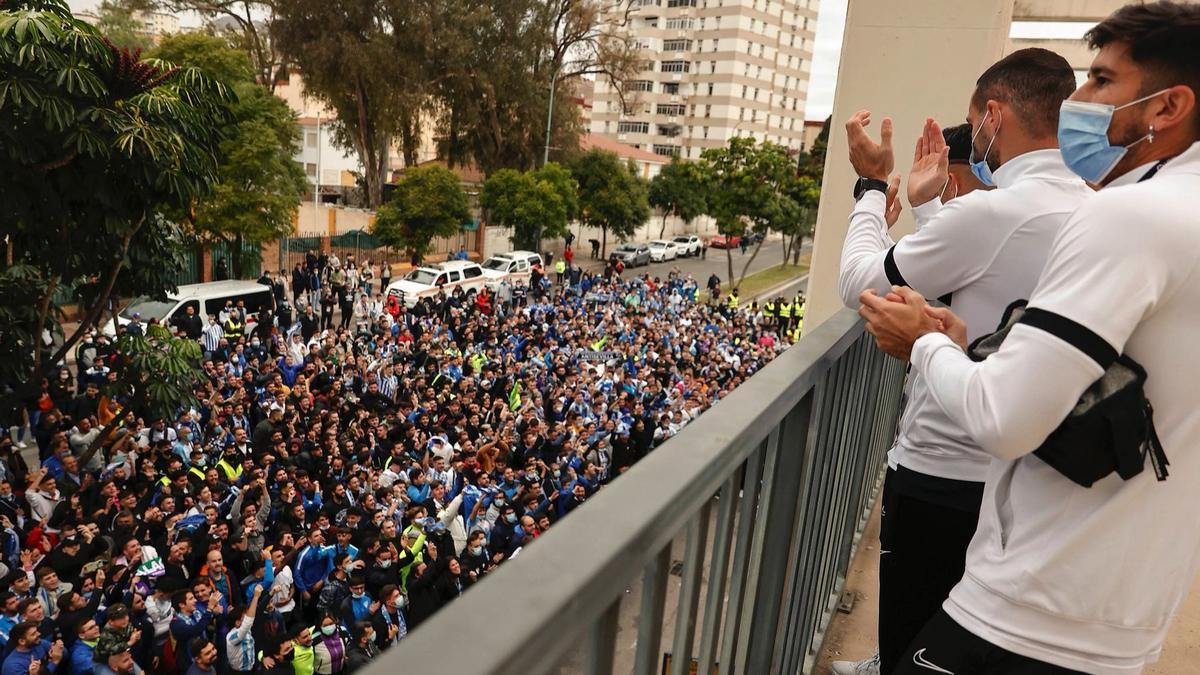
{"points": [[907, 61]]}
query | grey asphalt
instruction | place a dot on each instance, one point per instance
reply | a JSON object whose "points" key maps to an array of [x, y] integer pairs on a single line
{"points": [[770, 255]]}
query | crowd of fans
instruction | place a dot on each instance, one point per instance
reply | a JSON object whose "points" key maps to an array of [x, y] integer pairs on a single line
{"points": [[335, 487]]}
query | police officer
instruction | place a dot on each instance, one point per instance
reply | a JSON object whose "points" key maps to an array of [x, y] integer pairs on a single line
{"points": [[234, 326], [770, 312], [785, 316], [731, 303], [560, 268]]}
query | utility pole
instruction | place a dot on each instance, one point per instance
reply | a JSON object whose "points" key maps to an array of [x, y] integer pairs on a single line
{"points": [[546, 151]]}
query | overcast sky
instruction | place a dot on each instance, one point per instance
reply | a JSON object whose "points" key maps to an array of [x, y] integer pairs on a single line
{"points": [[831, 22]]}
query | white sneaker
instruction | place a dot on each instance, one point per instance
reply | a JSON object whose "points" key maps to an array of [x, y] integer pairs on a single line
{"points": [[867, 667]]}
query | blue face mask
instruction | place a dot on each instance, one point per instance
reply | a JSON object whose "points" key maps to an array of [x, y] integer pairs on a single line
{"points": [[1083, 137], [980, 168]]}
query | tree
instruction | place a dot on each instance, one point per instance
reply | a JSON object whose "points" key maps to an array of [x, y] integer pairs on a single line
{"points": [[611, 195], [249, 24], [798, 223], [351, 60], [96, 145], [500, 65], [259, 185], [679, 189], [534, 204], [428, 202], [813, 164], [119, 24], [749, 193], [154, 376]]}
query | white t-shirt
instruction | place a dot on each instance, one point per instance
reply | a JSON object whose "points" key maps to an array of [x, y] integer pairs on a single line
{"points": [[281, 590], [1087, 578], [987, 248]]}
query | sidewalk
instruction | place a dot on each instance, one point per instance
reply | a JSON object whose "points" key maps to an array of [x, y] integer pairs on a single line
{"points": [[852, 636]]}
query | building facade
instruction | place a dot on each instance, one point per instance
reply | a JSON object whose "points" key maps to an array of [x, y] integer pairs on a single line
{"points": [[711, 70]]}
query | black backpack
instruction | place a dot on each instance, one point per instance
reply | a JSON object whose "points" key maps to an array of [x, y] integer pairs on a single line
{"points": [[1110, 429]]}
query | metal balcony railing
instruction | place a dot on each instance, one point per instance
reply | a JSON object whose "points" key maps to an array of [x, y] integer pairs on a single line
{"points": [[783, 472]]}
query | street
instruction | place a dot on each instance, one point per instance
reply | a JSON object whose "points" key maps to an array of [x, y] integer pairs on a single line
{"points": [[770, 256]]}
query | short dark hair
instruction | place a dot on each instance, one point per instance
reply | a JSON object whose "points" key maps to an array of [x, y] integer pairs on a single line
{"points": [[21, 630], [1163, 35], [958, 139], [1034, 82]]}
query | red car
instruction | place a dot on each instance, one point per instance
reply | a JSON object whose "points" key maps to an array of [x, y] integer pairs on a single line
{"points": [[721, 241]]}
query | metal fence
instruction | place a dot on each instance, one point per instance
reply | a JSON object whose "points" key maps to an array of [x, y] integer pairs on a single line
{"points": [[364, 246], [783, 472]]}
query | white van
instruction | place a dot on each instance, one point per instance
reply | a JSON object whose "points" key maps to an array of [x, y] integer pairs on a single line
{"points": [[427, 280], [514, 266], [205, 299]]}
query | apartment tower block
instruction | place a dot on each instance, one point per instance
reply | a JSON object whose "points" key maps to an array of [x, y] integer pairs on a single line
{"points": [[711, 70]]}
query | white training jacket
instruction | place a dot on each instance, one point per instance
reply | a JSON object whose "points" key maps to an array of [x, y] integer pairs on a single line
{"points": [[987, 248], [1087, 578]]}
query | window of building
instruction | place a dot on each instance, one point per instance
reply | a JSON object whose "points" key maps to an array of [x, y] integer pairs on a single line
{"points": [[681, 3], [674, 66], [633, 127], [712, 66], [744, 90], [680, 45], [710, 88], [681, 23], [310, 139], [666, 150], [310, 169], [670, 87], [706, 132], [640, 85], [669, 130], [708, 111], [646, 65], [671, 109]]}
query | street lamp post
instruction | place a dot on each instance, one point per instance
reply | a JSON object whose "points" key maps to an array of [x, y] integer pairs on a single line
{"points": [[546, 149]]}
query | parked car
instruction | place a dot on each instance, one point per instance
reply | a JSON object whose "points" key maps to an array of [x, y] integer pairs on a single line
{"points": [[662, 250], [204, 299], [427, 280], [514, 266], [722, 241], [631, 255], [689, 244], [754, 238]]}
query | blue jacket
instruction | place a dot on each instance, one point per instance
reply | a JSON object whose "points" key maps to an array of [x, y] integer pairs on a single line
{"points": [[313, 565], [81, 657], [265, 582], [17, 663]]}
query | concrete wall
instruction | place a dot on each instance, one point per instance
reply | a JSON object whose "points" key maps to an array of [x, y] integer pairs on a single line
{"points": [[906, 60]]}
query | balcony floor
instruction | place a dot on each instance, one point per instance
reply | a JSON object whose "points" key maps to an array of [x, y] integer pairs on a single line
{"points": [[852, 636]]}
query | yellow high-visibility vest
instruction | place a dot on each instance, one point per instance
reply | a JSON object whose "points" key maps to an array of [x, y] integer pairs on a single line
{"points": [[560, 267], [733, 301], [232, 473], [785, 310], [769, 309]]}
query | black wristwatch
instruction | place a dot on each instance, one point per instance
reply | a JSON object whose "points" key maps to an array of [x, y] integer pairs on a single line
{"points": [[862, 185]]}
